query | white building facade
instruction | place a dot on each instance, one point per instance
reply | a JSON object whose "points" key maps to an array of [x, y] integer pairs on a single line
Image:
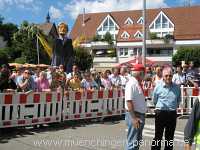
{"points": [[167, 30]]}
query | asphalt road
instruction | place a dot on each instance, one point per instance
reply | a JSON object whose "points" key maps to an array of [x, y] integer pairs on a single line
{"points": [[109, 134]]}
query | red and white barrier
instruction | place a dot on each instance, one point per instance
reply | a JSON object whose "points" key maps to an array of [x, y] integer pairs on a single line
{"points": [[22, 109], [188, 96], [92, 104]]}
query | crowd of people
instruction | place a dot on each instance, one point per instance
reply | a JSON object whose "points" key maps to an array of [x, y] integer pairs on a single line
{"points": [[24, 79], [164, 81]]}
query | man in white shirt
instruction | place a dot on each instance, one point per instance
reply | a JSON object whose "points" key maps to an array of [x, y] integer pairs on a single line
{"points": [[178, 78], [135, 107]]}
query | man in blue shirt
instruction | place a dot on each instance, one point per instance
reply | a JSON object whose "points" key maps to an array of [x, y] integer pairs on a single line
{"points": [[26, 82], [166, 97]]}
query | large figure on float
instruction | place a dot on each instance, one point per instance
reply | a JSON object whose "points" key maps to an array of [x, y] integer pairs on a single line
{"points": [[63, 53]]}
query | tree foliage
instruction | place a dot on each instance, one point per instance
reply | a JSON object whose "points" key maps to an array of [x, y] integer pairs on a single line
{"points": [[83, 59], [7, 30], [3, 57], [187, 54], [25, 43], [108, 38]]}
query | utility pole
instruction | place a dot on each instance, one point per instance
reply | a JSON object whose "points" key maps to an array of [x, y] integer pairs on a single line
{"points": [[38, 54], [144, 34]]}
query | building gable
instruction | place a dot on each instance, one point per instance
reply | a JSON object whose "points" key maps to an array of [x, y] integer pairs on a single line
{"points": [[128, 21], [138, 34], [108, 24], [125, 35], [161, 21], [140, 20], [162, 25]]}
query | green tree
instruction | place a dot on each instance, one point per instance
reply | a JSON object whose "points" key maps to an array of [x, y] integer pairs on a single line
{"points": [[3, 57], [108, 38], [83, 59], [187, 54], [7, 31], [25, 43], [153, 35]]}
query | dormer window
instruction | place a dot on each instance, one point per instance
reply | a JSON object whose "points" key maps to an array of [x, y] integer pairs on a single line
{"points": [[161, 22], [128, 21], [140, 20], [161, 25], [108, 25], [138, 35], [125, 35]]}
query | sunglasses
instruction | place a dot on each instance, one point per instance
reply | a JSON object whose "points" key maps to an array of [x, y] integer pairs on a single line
{"points": [[27, 72], [168, 75]]}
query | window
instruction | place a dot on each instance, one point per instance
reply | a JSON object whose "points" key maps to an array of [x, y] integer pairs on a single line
{"points": [[159, 51], [164, 23], [138, 34], [137, 51], [161, 25], [123, 52], [128, 21], [108, 25], [111, 26], [158, 23], [140, 20], [100, 29], [125, 35]]}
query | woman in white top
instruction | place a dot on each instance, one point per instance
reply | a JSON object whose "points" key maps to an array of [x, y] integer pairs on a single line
{"points": [[105, 81], [157, 78]]}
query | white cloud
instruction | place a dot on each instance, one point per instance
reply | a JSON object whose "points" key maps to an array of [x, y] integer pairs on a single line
{"points": [[23, 4], [55, 12], [186, 2], [76, 7]]}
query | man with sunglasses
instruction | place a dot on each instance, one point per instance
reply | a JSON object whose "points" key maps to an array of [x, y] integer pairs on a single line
{"points": [[166, 97], [26, 82]]}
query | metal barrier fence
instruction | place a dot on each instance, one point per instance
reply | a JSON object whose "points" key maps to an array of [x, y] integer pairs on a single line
{"points": [[21, 109]]}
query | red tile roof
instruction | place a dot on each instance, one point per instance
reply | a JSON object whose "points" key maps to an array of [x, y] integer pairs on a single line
{"points": [[131, 29], [185, 19]]}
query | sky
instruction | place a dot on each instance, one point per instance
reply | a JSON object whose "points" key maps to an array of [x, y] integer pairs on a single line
{"points": [[35, 11]]}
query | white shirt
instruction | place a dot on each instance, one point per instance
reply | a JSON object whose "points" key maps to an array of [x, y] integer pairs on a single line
{"points": [[124, 80], [133, 92], [178, 79]]}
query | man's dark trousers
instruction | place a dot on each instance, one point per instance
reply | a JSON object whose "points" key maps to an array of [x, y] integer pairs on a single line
{"points": [[164, 120]]}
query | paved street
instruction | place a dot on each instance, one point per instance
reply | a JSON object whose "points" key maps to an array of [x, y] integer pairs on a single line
{"points": [[81, 135]]}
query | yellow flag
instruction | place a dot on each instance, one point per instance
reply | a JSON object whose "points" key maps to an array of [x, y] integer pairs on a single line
{"points": [[77, 42], [45, 44]]}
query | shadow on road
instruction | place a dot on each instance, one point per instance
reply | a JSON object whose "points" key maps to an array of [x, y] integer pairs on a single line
{"points": [[7, 134]]}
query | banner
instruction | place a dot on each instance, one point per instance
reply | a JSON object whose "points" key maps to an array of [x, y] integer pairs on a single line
{"points": [[45, 44]]}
